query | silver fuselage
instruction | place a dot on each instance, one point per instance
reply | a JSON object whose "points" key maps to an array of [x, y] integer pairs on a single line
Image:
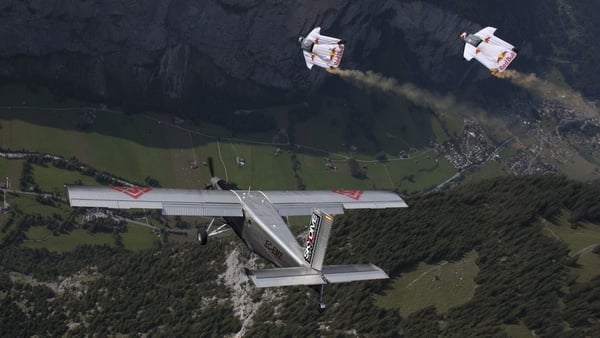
{"points": [[265, 232]]}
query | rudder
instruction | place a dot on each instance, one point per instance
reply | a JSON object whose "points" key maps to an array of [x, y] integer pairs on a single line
{"points": [[315, 247]]}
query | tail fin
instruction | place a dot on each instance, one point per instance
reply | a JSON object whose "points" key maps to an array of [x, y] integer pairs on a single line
{"points": [[319, 229]]}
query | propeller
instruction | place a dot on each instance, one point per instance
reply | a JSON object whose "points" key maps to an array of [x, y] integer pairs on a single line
{"points": [[216, 182], [211, 167]]}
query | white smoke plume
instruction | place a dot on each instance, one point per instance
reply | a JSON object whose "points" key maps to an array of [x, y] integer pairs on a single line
{"points": [[437, 102], [550, 91]]}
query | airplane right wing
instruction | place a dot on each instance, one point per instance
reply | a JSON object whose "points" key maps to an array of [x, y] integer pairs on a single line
{"points": [[298, 203]]}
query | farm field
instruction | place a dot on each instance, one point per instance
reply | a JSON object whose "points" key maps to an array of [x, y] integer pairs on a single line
{"points": [[41, 237], [443, 285], [174, 152], [580, 241]]}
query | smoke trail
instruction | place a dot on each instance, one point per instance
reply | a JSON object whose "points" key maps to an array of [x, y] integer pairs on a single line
{"points": [[437, 102], [550, 91]]}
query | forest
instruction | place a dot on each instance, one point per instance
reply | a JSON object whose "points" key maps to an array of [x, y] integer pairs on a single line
{"points": [[524, 277]]}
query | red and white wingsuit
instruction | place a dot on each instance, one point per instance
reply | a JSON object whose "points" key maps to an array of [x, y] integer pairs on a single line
{"points": [[323, 51], [493, 52]]}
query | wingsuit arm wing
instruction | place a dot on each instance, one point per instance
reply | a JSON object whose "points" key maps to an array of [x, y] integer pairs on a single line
{"points": [[308, 59], [315, 35], [469, 52], [487, 35]]}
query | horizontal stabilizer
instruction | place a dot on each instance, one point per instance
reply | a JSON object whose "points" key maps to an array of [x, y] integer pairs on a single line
{"points": [[285, 277], [352, 272], [306, 276]]}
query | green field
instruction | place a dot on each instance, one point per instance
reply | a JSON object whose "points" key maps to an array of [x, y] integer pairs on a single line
{"points": [[584, 236], [136, 146], [52, 179], [11, 169], [41, 237], [29, 205], [138, 237], [518, 331], [443, 285]]}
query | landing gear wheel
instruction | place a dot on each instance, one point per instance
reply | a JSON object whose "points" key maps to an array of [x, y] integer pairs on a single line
{"points": [[320, 302], [202, 236]]}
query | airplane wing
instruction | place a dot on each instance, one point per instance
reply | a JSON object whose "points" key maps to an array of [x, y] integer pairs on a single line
{"points": [[193, 202], [298, 203], [183, 202]]}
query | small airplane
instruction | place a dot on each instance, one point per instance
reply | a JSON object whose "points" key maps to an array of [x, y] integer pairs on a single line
{"points": [[323, 51], [494, 53], [256, 217]]}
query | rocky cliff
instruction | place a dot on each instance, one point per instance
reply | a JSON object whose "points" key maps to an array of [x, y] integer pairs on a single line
{"points": [[190, 54]]}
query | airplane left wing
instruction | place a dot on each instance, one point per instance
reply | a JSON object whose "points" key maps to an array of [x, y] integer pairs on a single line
{"points": [[183, 202], [298, 203]]}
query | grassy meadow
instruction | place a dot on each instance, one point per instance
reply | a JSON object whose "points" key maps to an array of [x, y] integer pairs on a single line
{"points": [[443, 285], [579, 239], [137, 146]]}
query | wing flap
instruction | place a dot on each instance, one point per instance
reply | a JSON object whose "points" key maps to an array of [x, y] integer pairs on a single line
{"points": [[296, 203], [302, 210], [192, 210]]}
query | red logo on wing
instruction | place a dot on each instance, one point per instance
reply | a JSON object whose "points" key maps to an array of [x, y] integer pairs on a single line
{"points": [[354, 194], [501, 56], [487, 40], [134, 192]]}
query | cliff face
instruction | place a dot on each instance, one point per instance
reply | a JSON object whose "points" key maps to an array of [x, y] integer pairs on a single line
{"points": [[171, 52], [175, 54]]}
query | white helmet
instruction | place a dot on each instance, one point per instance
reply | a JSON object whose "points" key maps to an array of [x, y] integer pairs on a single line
{"points": [[300, 38], [463, 35]]}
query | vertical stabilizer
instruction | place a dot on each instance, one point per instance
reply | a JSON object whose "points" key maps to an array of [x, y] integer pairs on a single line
{"points": [[319, 229]]}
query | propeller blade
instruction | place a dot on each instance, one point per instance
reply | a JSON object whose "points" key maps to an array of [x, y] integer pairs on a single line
{"points": [[211, 167]]}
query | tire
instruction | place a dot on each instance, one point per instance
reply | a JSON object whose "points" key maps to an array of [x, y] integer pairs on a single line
{"points": [[202, 236]]}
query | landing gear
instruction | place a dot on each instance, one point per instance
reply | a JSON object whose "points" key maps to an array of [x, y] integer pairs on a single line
{"points": [[320, 302], [202, 236]]}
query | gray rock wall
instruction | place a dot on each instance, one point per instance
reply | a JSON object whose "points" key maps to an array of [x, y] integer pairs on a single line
{"points": [[173, 53]]}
